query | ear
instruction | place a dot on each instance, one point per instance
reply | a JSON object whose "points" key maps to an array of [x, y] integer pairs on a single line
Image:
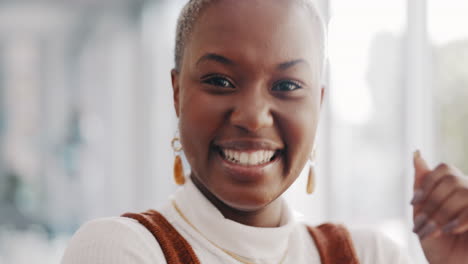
{"points": [[176, 89], [322, 95]]}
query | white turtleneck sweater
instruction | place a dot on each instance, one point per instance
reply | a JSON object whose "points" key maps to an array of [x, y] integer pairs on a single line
{"points": [[120, 240]]}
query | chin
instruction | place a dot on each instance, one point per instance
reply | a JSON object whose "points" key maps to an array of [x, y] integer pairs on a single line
{"points": [[249, 199]]}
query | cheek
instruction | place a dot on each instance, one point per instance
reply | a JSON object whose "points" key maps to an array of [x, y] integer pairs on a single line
{"points": [[200, 118], [299, 130], [305, 123]]}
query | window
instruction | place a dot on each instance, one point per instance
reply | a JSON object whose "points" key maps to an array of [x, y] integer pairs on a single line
{"points": [[448, 37]]}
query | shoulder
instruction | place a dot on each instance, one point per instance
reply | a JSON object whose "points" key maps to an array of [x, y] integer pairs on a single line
{"points": [[113, 240], [370, 246], [374, 247]]}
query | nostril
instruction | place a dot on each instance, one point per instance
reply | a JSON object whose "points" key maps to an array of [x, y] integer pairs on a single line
{"points": [[251, 120]]}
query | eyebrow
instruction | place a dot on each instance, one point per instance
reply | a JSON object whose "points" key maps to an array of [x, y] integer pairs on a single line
{"points": [[215, 57], [285, 65], [223, 60]]}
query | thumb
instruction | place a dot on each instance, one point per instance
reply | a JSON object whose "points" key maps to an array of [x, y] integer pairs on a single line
{"points": [[420, 168]]}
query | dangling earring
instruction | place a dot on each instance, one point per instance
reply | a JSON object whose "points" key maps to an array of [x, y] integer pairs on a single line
{"points": [[179, 176], [311, 177]]}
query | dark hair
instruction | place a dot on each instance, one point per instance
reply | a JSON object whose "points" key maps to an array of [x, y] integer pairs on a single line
{"points": [[192, 10]]}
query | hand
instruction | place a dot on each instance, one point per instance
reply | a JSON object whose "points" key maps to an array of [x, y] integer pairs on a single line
{"points": [[440, 212]]}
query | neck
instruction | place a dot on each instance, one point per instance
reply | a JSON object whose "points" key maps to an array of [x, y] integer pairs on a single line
{"points": [[268, 216]]}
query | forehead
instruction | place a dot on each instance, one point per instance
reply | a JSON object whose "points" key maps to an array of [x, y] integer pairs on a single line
{"points": [[256, 31]]}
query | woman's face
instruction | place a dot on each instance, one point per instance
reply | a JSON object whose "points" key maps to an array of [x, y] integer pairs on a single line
{"points": [[248, 97]]}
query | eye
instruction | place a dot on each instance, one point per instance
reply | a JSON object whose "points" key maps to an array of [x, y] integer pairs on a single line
{"points": [[218, 81], [286, 86]]}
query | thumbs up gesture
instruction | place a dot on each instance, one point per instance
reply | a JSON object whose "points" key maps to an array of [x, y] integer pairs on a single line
{"points": [[440, 212]]}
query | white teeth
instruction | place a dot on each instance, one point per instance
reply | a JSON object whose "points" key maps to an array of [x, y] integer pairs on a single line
{"points": [[230, 153], [244, 157], [264, 156], [253, 158], [248, 158]]}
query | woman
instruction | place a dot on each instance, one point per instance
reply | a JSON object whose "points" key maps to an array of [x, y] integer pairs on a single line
{"points": [[248, 96]]}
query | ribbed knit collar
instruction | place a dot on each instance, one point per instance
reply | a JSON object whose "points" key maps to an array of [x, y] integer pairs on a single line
{"points": [[247, 241]]}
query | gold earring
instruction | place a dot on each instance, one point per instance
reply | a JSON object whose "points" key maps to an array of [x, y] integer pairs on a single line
{"points": [[179, 176], [311, 178]]}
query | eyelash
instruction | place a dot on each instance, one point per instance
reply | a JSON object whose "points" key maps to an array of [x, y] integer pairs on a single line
{"points": [[288, 82], [215, 79], [212, 80]]}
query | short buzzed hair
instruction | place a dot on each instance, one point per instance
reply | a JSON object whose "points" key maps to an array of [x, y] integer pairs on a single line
{"points": [[192, 10]]}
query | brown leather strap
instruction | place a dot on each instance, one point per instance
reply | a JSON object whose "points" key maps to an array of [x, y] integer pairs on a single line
{"points": [[334, 244], [175, 248]]}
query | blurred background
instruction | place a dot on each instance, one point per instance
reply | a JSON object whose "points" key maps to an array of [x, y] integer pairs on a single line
{"points": [[86, 115]]}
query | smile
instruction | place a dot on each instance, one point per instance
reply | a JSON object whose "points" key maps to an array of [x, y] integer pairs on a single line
{"points": [[248, 158]]}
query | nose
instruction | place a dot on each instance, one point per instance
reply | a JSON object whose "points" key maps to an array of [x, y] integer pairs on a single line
{"points": [[252, 112]]}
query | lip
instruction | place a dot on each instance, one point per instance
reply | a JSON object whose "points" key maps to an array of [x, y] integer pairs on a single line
{"points": [[249, 144]]}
